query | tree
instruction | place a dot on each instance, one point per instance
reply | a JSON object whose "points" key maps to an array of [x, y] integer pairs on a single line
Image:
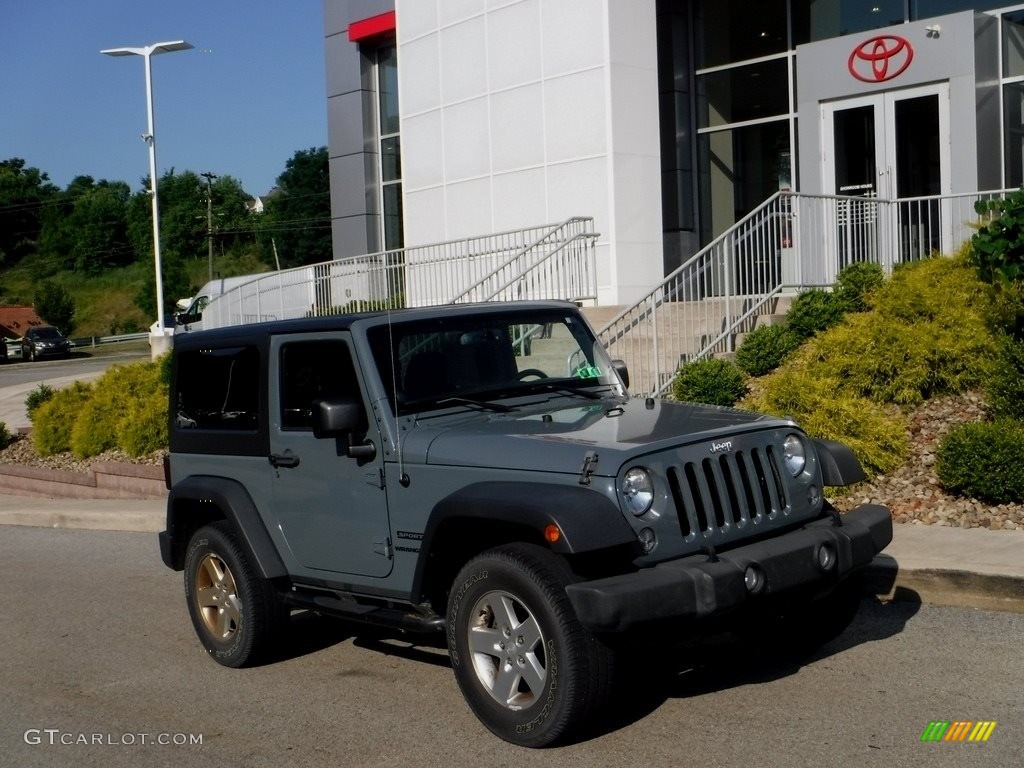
{"points": [[299, 215], [24, 193], [176, 285], [85, 228], [53, 304]]}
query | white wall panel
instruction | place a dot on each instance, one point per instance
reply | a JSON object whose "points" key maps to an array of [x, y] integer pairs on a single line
{"points": [[419, 86], [466, 141], [415, 18], [468, 208], [573, 34], [451, 11], [513, 45], [574, 115], [422, 159], [463, 60], [424, 215], [520, 199], [517, 128]]}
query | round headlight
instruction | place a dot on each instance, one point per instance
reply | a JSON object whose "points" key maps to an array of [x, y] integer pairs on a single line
{"points": [[637, 491], [794, 454]]}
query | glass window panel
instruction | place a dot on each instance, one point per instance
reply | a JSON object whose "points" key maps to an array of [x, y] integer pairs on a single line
{"points": [[735, 30], [743, 93], [393, 237], [740, 169], [1013, 105], [823, 19], [923, 9], [387, 87], [391, 158], [1013, 44]]}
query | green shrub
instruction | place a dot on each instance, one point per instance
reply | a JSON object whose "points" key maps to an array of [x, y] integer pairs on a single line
{"points": [[1004, 385], [146, 431], [984, 461], [857, 282], [118, 398], [6, 438], [924, 290], [814, 311], [1006, 309], [926, 335], [765, 348], [37, 397], [818, 405], [997, 249], [55, 418], [713, 381], [896, 362]]}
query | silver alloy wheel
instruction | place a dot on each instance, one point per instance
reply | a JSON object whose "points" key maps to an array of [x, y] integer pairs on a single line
{"points": [[216, 597], [508, 650]]}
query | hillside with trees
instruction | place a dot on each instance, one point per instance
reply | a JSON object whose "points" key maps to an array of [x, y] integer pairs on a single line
{"points": [[83, 255]]}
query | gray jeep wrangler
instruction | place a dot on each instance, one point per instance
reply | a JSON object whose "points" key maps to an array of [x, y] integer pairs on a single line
{"points": [[480, 471]]}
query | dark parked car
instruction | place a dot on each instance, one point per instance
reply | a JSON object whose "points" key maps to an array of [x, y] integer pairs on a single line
{"points": [[44, 341]]}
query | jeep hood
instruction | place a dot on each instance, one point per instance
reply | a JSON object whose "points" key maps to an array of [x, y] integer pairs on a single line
{"points": [[556, 439]]}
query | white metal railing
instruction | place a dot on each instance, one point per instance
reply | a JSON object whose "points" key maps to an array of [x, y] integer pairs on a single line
{"points": [[790, 241], [550, 261]]}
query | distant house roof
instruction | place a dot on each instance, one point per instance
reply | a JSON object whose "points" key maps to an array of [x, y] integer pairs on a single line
{"points": [[15, 320]]}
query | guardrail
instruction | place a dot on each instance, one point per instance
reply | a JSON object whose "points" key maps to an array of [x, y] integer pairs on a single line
{"points": [[93, 341]]}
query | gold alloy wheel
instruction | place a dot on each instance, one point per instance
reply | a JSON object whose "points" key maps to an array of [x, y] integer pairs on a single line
{"points": [[216, 597]]}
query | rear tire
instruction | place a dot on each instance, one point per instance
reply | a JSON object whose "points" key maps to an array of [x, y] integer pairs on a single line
{"points": [[527, 668], [236, 613]]}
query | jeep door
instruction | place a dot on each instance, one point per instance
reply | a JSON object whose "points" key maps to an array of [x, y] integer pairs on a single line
{"points": [[332, 509]]}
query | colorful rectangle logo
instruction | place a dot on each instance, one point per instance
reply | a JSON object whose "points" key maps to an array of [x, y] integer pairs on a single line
{"points": [[958, 730]]}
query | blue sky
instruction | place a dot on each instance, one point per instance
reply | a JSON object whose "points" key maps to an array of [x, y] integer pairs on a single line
{"points": [[249, 95]]}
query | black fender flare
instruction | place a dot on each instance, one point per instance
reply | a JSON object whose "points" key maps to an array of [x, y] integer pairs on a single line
{"points": [[839, 465], [588, 520], [236, 505]]}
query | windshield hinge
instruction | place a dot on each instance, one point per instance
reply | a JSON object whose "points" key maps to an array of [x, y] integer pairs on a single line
{"points": [[589, 461]]}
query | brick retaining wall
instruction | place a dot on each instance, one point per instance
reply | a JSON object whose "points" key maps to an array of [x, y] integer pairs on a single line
{"points": [[104, 480]]}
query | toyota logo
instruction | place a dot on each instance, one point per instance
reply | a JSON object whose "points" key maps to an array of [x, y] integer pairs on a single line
{"points": [[880, 58]]}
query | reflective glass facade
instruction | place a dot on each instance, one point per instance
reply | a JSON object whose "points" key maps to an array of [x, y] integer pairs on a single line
{"points": [[728, 98]]}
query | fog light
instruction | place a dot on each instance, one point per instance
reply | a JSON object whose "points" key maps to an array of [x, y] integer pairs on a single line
{"points": [[753, 579], [648, 540], [826, 557]]}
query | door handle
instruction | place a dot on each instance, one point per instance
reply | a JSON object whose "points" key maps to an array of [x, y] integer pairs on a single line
{"points": [[286, 460]]}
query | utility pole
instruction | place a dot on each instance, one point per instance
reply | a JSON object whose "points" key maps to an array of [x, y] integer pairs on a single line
{"points": [[209, 215]]}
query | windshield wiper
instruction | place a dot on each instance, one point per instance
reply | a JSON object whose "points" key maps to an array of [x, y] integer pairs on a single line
{"points": [[572, 390], [483, 404]]}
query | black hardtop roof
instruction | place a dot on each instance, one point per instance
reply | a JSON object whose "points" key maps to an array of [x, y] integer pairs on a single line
{"points": [[255, 333]]}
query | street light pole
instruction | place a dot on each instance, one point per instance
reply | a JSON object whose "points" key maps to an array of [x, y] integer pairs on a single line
{"points": [[147, 52]]}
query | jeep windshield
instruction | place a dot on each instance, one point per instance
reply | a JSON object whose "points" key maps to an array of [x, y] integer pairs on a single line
{"points": [[464, 358]]}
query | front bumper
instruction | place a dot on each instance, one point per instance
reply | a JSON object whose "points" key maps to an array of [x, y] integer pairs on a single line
{"points": [[697, 587]]}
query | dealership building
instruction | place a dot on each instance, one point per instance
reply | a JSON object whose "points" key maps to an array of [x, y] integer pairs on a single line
{"points": [[666, 121]]}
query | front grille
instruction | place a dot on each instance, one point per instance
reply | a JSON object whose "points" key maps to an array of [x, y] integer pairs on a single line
{"points": [[727, 492]]}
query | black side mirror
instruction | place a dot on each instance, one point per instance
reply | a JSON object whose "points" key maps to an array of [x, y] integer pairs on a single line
{"points": [[623, 371], [336, 417], [342, 418]]}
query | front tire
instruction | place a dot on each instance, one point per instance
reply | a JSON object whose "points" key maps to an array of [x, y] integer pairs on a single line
{"points": [[527, 668], [236, 613]]}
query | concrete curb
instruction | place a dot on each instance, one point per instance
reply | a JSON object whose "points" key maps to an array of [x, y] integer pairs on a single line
{"points": [[141, 515], [887, 580]]}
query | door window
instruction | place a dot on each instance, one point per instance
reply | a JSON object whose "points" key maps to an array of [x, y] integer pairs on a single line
{"points": [[310, 371]]}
